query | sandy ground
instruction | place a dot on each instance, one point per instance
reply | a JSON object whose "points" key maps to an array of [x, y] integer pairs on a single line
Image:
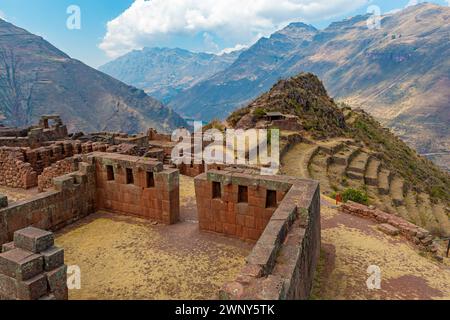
{"points": [[128, 258], [17, 194], [351, 244]]}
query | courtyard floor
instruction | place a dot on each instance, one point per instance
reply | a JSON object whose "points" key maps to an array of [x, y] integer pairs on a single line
{"points": [[123, 257]]}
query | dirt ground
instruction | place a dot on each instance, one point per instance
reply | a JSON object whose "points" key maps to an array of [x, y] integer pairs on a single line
{"points": [[129, 258], [351, 244], [15, 195]]}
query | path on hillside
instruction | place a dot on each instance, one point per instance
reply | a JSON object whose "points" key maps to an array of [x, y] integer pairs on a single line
{"points": [[351, 244]]}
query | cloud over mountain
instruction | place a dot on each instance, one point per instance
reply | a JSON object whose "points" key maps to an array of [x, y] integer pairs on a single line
{"points": [[226, 22]]}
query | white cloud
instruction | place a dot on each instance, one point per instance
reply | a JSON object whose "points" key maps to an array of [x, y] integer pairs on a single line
{"points": [[235, 48], [225, 22], [2, 15]]}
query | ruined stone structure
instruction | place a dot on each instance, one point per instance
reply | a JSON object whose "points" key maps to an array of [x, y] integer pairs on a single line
{"points": [[32, 268], [280, 213], [133, 175], [118, 183], [137, 186], [34, 136], [72, 198], [393, 225]]}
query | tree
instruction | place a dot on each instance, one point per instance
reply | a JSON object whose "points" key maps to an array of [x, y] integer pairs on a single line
{"points": [[16, 89]]}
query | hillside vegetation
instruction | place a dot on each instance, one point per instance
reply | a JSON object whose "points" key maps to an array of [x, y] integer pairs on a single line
{"points": [[347, 149]]}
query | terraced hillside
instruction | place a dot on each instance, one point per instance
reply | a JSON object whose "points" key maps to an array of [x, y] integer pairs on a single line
{"points": [[342, 164], [358, 154]]}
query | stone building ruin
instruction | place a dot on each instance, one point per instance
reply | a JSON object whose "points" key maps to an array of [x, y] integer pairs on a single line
{"points": [[70, 178]]}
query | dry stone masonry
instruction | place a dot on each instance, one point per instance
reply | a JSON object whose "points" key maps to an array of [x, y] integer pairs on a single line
{"points": [[32, 268], [280, 213], [393, 225]]}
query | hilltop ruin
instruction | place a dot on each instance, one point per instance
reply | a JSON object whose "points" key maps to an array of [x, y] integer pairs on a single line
{"points": [[71, 177]]}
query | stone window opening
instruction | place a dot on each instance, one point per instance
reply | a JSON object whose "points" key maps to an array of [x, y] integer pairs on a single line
{"points": [[150, 180], [216, 190], [110, 173], [271, 199], [243, 194], [130, 177]]}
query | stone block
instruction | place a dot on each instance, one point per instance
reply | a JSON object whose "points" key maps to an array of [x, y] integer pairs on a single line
{"points": [[8, 247], [20, 264], [33, 239], [33, 288], [3, 201], [57, 282], [53, 258], [388, 229], [8, 288]]}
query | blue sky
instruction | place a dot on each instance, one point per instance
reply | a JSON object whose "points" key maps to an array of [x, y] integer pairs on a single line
{"points": [[198, 25]]}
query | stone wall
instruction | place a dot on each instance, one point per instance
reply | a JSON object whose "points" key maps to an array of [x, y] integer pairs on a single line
{"points": [[14, 171], [283, 262], [239, 208], [73, 198], [137, 186], [60, 168], [393, 225], [191, 170], [152, 134], [34, 136], [20, 167]]}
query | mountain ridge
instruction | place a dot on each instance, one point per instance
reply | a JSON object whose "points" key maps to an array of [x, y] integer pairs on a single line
{"points": [[346, 149], [164, 72], [398, 73], [38, 78]]}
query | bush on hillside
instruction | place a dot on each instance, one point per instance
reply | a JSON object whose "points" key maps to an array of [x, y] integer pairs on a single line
{"points": [[355, 196]]}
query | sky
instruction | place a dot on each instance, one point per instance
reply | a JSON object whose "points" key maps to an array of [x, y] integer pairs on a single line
{"points": [[97, 31]]}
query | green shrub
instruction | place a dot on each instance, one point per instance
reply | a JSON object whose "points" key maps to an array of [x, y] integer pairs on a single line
{"points": [[355, 196], [259, 113]]}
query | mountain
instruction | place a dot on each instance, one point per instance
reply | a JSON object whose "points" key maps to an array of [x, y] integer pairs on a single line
{"points": [[348, 151], [254, 72], [399, 73], [164, 72], [36, 78]]}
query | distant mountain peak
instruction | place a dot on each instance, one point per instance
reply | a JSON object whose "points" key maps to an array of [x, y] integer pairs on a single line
{"points": [[45, 80]]}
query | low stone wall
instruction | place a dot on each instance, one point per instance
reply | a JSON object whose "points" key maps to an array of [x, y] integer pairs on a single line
{"points": [[287, 124], [60, 168], [283, 262], [14, 171], [72, 199], [227, 213], [191, 170], [417, 235], [136, 186], [20, 167]]}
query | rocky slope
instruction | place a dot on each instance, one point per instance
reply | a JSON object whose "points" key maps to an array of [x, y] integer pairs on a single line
{"points": [[399, 73], [36, 78], [346, 148], [164, 72]]}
